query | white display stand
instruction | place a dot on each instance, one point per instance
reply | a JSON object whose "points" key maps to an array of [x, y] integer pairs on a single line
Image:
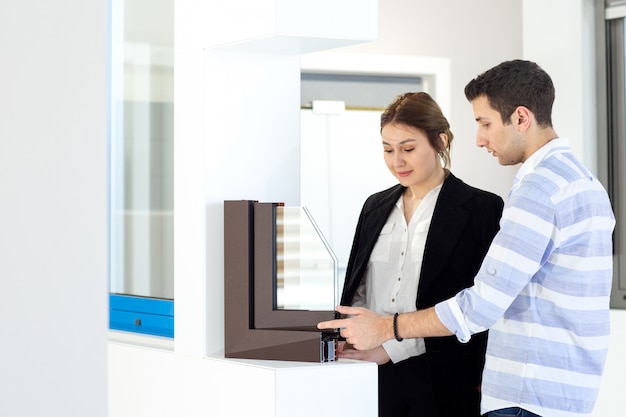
{"points": [[155, 382]]}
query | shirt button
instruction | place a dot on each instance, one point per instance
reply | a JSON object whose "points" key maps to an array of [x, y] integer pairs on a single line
{"points": [[491, 271], [393, 300], [402, 253], [399, 278]]}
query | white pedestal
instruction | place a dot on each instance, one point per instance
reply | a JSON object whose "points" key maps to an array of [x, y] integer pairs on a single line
{"points": [[156, 382]]}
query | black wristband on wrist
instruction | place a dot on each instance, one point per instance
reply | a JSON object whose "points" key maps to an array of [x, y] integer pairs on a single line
{"points": [[395, 328]]}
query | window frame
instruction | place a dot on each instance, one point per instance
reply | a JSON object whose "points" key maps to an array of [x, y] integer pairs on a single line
{"points": [[612, 130], [145, 315], [253, 329]]}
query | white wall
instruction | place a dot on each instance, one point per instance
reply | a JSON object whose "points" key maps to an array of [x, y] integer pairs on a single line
{"points": [[559, 35], [53, 208]]}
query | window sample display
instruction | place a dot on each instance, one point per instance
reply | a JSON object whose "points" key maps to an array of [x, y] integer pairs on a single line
{"points": [[279, 282]]}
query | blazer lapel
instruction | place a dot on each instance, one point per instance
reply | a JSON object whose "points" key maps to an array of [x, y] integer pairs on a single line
{"points": [[447, 224], [372, 220]]}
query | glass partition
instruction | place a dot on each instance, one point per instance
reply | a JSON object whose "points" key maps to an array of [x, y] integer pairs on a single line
{"points": [[141, 147], [141, 167]]}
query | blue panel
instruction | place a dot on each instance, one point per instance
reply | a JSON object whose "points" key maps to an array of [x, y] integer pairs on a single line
{"points": [[141, 315]]}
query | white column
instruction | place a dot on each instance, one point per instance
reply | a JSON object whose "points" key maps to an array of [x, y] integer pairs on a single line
{"points": [[237, 131]]}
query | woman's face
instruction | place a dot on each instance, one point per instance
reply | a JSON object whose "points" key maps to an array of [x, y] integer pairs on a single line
{"points": [[409, 155]]}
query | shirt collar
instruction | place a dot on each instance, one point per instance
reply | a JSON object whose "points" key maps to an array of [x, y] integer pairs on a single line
{"points": [[427, 197], [540, 154]]}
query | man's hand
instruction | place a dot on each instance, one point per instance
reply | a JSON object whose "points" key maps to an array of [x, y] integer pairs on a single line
{"points": [[364, 329]]}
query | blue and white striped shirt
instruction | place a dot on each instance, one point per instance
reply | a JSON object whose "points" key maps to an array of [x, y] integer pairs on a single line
{"points": [[543, 290]]}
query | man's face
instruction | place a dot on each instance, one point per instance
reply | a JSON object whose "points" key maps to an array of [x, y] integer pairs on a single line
{"points": [[502, 140]]}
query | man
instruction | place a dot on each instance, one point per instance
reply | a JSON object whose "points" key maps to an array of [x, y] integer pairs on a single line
{"points": [[543, 288]]}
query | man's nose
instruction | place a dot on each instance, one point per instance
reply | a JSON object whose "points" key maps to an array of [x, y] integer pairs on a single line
{"points": [[481, 140]]}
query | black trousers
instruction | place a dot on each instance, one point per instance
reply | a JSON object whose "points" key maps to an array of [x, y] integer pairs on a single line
{"points": [[405, 389], [411, 389]]}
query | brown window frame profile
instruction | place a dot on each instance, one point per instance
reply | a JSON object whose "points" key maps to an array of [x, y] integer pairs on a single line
{"points": [[253, 327]]}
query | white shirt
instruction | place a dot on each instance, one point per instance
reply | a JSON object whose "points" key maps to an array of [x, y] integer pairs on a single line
{"points": [[393, 270]]}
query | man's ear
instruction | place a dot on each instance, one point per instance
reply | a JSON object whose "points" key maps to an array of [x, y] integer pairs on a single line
{"points": [[522, 118]]}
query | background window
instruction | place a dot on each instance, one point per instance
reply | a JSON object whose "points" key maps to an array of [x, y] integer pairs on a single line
{"points": [[141, 163], [332, 179], [612, 151]]}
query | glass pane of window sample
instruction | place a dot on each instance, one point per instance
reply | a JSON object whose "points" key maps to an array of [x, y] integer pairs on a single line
{"points": [[306, 268], [142, 112]]}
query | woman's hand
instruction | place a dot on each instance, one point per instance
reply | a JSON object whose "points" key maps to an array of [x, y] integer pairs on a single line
{"points": [[378, 354]]}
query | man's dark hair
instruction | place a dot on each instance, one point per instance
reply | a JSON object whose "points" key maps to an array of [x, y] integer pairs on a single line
{"points": [[512, 84]]}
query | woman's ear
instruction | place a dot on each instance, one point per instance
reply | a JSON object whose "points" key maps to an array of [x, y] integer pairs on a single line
{"points": [[444, 140]]}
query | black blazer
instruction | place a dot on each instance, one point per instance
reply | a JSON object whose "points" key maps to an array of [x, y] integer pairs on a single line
{"points": [[464, 222]]}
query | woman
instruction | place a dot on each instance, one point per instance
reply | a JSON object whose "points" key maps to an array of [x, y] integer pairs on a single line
{"points": [[415, 244]]}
